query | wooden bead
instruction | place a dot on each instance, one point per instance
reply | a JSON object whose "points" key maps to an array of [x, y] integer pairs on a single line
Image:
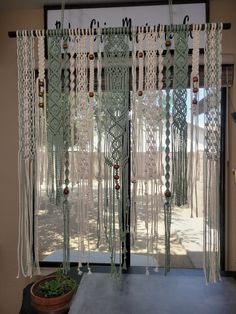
{"points": [[168, 43], [195, 89], [140, 93], [194, 102], [40, 94], [41, 105], [116, 166], [195, 79], [140, 55], [117, 187], [91, 56], [167, 194], [41, 83], [91, 94], [116, 177], [66, 191], [65, 45]]}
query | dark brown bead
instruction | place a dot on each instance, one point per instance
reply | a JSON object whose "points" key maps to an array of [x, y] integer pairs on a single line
{"points": [[116, 166], [195, 89], [117, 187], [168, 43], [140, 93], [91, 94], [167, 194], [41, 83], [91, 56], [65, 45], [116, 177], [41, 105], [66, 191], [40, 94], [194, 102], [195, 79], [140, 55]]}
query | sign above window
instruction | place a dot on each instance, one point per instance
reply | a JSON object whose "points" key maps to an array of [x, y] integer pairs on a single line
{"points": [[119, 16]]}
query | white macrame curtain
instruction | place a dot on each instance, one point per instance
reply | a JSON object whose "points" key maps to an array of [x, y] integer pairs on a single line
{"points": [[74, 131]]}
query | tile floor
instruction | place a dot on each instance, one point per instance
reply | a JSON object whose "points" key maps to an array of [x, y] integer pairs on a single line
{"points": [[180, 292]]}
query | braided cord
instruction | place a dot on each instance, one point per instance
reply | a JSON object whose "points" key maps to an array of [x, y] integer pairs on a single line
{"points": [[66, 140], [167, 205]]}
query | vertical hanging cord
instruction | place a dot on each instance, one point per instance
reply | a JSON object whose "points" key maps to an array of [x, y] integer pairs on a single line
{"points": [[167, 205], [62, 13], [41, 140], [100, 226], [153, 117], [159, 184], [84, 127], [194, 173], [168, 196], [171, 12], [90, 136], [134, 142]]}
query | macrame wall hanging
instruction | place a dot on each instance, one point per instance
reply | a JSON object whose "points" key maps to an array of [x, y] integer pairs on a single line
{"points": [[83, 129], [116, 150]]}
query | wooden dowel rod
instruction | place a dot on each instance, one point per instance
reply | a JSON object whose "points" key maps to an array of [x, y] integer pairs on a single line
{"points": [[66, 31]]}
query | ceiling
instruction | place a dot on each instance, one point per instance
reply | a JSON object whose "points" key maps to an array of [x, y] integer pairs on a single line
{"points": [[36, 4]]}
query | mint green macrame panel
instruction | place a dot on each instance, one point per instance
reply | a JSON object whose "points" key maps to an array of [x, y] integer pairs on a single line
{"points": [[55, 120], [212, 106], [179, 114], [58, 120], [116, 111]]}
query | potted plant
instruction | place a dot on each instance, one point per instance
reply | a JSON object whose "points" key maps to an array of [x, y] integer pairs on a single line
{"points": [[53, 294]]}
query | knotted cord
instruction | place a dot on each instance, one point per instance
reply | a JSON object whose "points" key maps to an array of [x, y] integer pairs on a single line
{"points": [[212, 104]]}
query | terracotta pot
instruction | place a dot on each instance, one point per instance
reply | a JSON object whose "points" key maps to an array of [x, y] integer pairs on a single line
{"points": [[54, 305]]}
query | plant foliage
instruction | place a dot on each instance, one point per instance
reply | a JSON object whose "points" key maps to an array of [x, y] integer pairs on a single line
{"points": [[57, 286]]}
